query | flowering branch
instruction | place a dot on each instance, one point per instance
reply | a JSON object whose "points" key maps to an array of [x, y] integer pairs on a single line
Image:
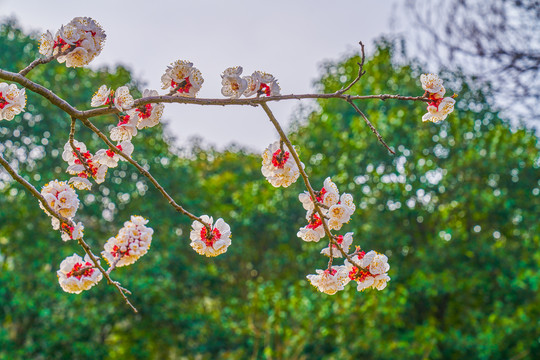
{"points": [[64, 220], [305, 177], [76, 44]]}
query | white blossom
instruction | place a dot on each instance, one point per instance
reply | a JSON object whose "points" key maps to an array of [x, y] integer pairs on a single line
{"points": [[261, 83], [329, 281], [341, 212], [312, 232], [233, 85], [210, 244], [72, 280], [182, 78], [61, 198], [279, 169], [379, 264], [12, 101], [132, 241], [84, 36], [72, 233], [102, 96], [431, 83], [439, 110], [126, 128], [46, 44], [109, 158], [148, 115], [123, 99], [344, 242]]}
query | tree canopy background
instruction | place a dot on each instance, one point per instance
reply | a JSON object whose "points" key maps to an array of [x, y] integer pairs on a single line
{"points": [[455, 210]]}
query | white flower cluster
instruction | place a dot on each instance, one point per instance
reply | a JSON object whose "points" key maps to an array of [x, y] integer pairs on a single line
{"points": [[76, 275], [147, 115], [439, 107], [121, 98], [374, 273], [12, 101], [337, 210], [62, 199], [132, 242], [96, 165], [258, 83], [182, 79], [82, 38], [278, 165], [72, 232], [210, 243]]}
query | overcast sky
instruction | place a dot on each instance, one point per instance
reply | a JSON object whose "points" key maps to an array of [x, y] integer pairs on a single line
{"points": [[288, 39]]}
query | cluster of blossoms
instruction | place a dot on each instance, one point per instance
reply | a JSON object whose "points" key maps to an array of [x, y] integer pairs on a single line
{"points": [[182, 79], [79, 42], [131, 242], [76, 275], [278, 165], [211, 241], [147, 115], [12, 101], [336, 210], [259, 83], [62, 199], [439, 106]]}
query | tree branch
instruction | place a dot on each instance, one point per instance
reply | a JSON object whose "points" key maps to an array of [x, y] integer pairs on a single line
{"points": [[63, 220], [305, 177]]}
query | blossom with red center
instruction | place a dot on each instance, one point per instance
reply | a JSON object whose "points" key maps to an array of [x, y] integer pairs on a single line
{"points": [[103, 96], [126, 127], [344, 241], [210, 243], [76, 275], [314, 231], [278, 166], [261, 83], [12, 101], [373, 271], [82, 38], [72, 232], [439, 106], [109, 158], [329, 281], [182, 79], [148, 115], [61, 198], [132, 241]]}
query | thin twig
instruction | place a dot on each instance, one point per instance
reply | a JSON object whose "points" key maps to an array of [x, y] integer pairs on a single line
{"points": [[370, 126], [63, 220], [360, 71], [45, 60]]}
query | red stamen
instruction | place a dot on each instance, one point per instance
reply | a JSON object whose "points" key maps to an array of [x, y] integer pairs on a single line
{"points": [[279, 160], [145, 111], [210, 239]]}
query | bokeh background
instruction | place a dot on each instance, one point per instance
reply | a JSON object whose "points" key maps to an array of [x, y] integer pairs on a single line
{"points": [[455, 210]]}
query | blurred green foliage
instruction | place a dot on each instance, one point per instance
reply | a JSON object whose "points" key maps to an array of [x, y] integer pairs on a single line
{"points": [[456, 211]]}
